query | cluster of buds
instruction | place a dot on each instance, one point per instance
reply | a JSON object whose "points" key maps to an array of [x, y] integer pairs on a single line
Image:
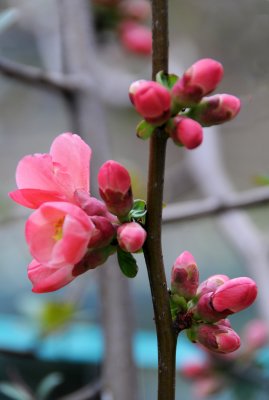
{"points": [[70, 231], [209, 373], [127, 18], [183, 104], [203, 309]]}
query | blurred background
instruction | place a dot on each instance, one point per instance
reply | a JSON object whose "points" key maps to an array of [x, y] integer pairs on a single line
{"points": [[76, 335]]}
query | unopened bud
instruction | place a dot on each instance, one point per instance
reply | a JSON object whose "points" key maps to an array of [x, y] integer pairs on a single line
{"points": [[136, 38], [217, 338], [131, 237], [234, 295], [204, 310], [199, 80], [186, 132], [211, 284], [185, 276], [217, 109], [93, 259], [115, 188], [151, 100], [103, 232]]}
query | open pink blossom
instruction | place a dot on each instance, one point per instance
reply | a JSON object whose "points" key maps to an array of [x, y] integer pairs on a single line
{"points": [[58, 234], [55, 176]]}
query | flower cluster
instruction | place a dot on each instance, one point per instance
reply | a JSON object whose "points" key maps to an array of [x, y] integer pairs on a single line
{"points": [[183, 104], [70, 231], [203, 309], [127, 18], [209, 373]]}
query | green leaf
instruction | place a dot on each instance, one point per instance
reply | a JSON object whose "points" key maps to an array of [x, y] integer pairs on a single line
{"points": [[138, 211], [144, 130], [55, 315], [167, 80], [14, 392], [127, 263], [261, 180], [48, 384]]}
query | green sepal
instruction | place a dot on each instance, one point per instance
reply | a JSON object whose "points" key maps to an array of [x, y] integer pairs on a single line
{"points": [[177, 304], [138, 212], [191, 334], [144, 130], [167, 80], [127, 263]]}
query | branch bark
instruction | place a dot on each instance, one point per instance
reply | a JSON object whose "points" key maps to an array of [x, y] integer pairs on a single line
{"points": [[166, 336]]}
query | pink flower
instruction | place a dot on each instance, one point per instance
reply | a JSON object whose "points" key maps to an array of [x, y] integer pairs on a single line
{"points": [[185, 276], [47, 279], [217, 338], [187, 132], [131, 237], [58, 234], [136, 38], [151, 100], [115, 188], [234, 295], [55, 176], [199, 80], [217, 109]]}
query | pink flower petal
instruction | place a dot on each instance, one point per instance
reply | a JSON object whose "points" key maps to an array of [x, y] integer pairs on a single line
{"points": [[33, 198], [48, 279], [72, 152]]}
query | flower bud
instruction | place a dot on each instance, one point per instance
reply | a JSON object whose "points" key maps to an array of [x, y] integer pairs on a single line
{"points": [[211, 284], [131, 237], [136, 38], [93, 259], [115, 188], [256, 334], [103, 232], [217, 338], [204, 310], [187, 132], [199, 80], [151, 100], [185, 276], [217, 109], [234, 295]]}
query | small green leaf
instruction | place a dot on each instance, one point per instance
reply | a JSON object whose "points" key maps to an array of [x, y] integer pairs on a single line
{"points": [[127, 263], [138, 211], [56, 315], [144, 130], [48, 384], [14, 392], [167, 80]]}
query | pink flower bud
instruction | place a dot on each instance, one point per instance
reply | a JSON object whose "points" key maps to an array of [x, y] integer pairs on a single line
{"points": [[217, 338], [256, 334], [211, 284], [204, 310], [92, 206], [103, 232], [151, 100], [199, 80], [131, 237], [58, 233], [217, 109], [234, 295], [115, 188], [92, 259], [185, 276], [136, 38], [187, 132]]}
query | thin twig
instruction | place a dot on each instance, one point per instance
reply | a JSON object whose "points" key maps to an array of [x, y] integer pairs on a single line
{"points": [[35, 75], [202, 208], [166, 337]]}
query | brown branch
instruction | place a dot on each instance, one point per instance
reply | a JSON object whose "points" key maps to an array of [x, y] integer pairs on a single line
{"points": [[35, 75], [166, 337], [214, 206]]}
